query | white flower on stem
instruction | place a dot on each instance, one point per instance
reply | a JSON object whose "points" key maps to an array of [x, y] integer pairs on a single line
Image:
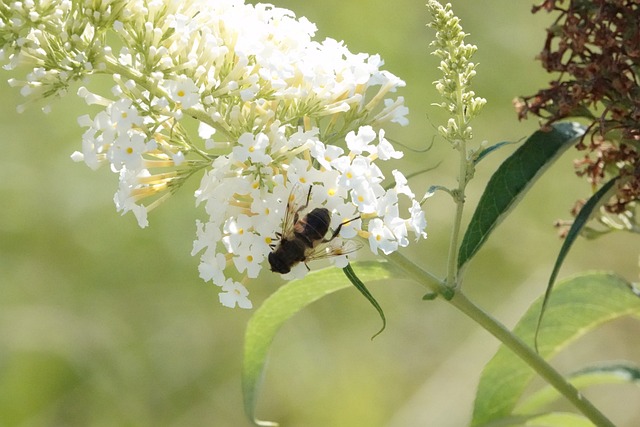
{"points": [[359, 143], [233, 293], [402, 186], [381, 237], [395, 111], [253, 148], [325, 154], [183, 91], [363, 195], [205, 233], [125, 198], [127, 150], [212, 267], [385, 149], [417, 222], [124, 116], [249, 260]]}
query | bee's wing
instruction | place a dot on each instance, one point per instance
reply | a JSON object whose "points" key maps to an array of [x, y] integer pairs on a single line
{"points": [[297, 202], [332, 248]]}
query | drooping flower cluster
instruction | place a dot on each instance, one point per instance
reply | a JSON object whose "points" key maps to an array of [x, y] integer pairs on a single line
{"points": [[272, 107], [594, 46]]}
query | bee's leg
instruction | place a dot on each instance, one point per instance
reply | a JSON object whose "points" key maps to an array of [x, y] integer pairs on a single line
{"points": [[278, 237], [306, 203], [337, 230]]}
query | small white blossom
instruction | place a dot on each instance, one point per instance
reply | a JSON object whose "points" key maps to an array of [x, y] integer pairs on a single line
{"points": [[183, 91], [381, 237], [359, 143], [233, 293]]}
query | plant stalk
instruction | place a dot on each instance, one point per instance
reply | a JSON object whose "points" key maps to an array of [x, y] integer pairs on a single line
{"points": [[505, 336], [533, 359], [460, 144]]}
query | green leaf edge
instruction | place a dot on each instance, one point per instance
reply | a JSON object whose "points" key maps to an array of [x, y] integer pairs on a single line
{"points": [[610, 372], [484, 153], [505, 377], [529, 161], [279, 307]]}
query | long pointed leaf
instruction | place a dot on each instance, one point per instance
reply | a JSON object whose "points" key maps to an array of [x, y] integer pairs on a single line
{"points": [[355, 280], [602, 373], [279, 307], [581, 219], [579, 304], [511, 181]]}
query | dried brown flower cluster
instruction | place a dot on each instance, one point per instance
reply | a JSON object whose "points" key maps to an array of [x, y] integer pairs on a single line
{"points": [[594, 45]]}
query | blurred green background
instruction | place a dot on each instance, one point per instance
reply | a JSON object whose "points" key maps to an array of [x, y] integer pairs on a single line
{"points": [[106, 324]]}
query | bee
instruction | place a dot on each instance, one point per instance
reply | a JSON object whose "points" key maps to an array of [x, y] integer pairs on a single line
{"points": [[304, 238]]}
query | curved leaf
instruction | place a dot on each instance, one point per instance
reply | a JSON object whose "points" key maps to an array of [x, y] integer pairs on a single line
{"points": [[279, 307], [581, 219], [511, 181], [579, 304], [355, 281], [603, 373]]}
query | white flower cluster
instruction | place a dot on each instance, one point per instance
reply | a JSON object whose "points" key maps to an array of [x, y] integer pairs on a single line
{"points": [[246, 195], [273, 108]]}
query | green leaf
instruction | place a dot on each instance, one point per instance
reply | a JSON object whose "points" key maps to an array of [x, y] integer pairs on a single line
{"points": [[559, 419], [490, 150], [355, 281], [581, 219], [550, 419], [579, 304], [511, 181], [603, 373], [279, 307]]}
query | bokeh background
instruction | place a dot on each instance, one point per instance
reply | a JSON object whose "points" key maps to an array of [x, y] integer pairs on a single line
{"points": [[106, 324]]}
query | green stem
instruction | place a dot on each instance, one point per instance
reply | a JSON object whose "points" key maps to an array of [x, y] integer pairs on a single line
{"points": [[419, 275], [505, 336], [458, 195], [533, 359]]}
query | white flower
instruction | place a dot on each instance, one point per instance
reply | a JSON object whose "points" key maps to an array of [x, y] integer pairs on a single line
{"points": [[183, 91], [385, 149], [212, 268], [381, 237], [124, 116], [233, 293], [401, 184], [127, 150], [249, 260], [359, 143], [124, 199], [252, 148], [417, 221]]}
